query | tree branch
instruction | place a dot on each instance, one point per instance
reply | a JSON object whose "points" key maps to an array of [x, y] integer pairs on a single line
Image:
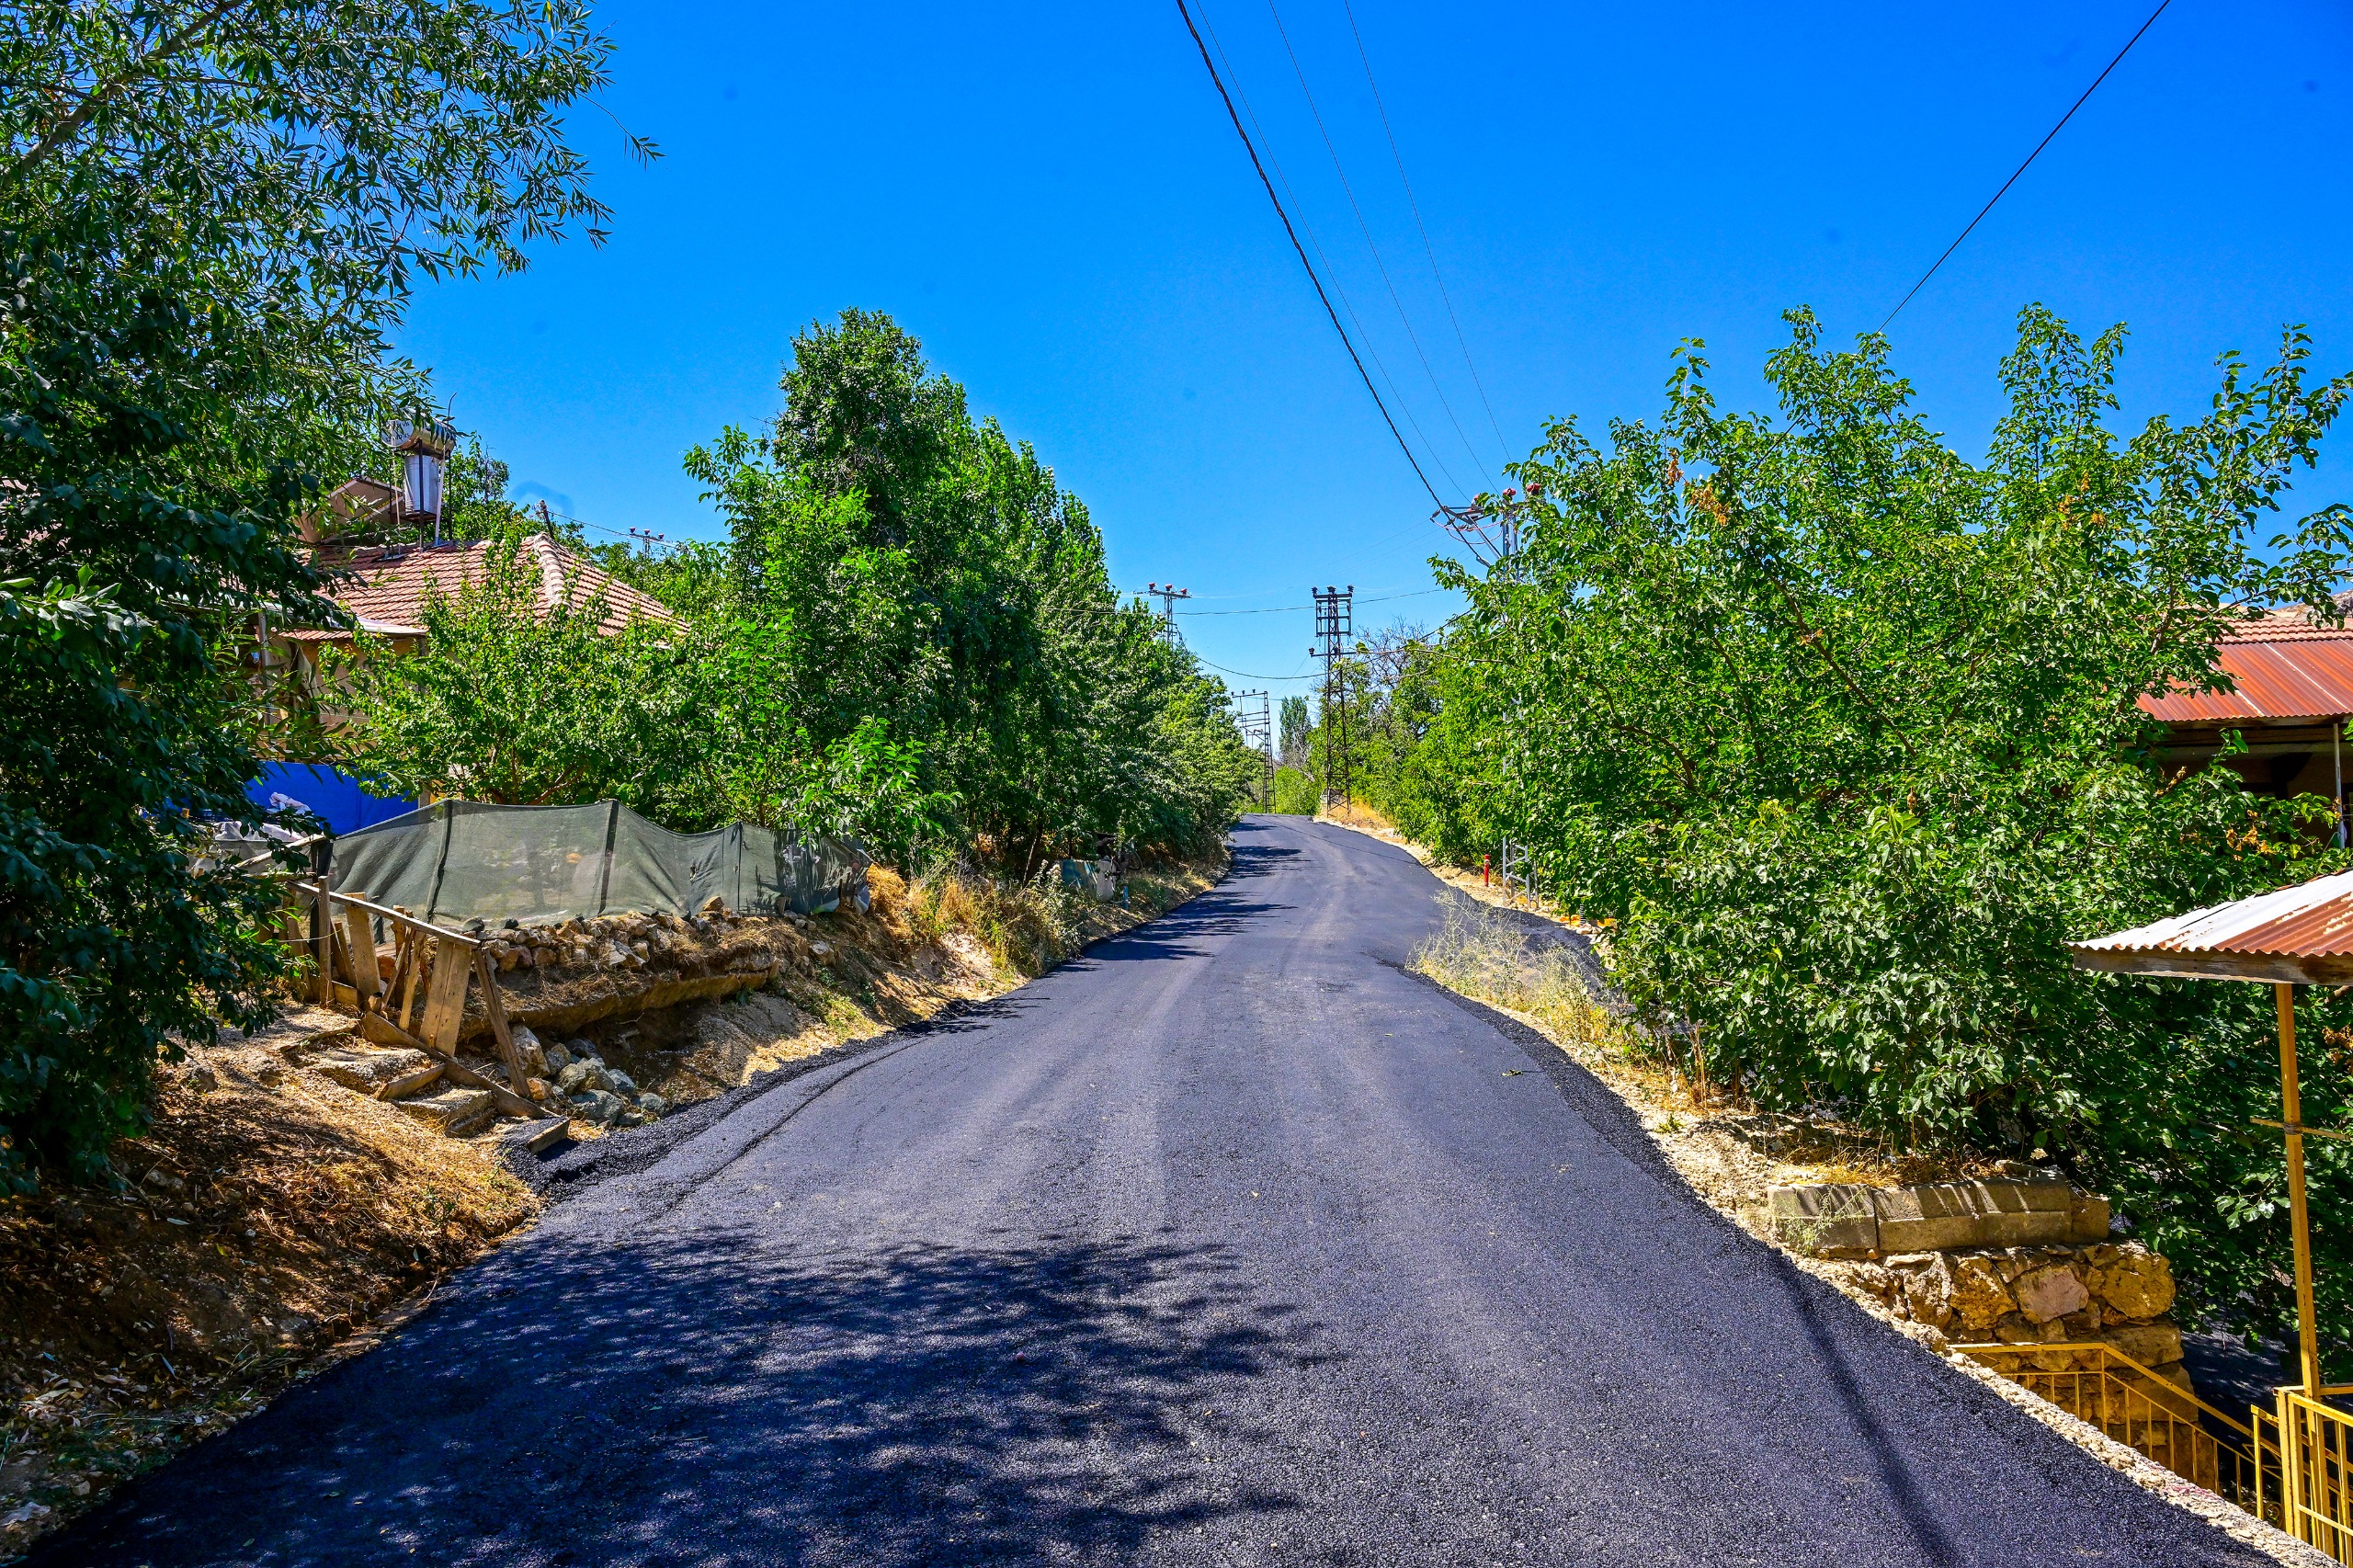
{"points": [[106, 89]]}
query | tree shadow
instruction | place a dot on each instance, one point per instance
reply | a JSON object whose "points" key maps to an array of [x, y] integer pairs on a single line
{"points": [[720, 1397], [1808, 1298], [1258, 859]]}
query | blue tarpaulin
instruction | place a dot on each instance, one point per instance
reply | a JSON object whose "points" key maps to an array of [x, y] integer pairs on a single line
{"points": [[333, 796]]}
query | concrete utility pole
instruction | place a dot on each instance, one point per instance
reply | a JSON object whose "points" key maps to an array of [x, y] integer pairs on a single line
{"points": [[1334, 624], [1168, 593], [1258, 734]]}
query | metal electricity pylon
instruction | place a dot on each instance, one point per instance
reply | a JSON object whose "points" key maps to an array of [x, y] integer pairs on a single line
{"points": [[1168, 593], [1334, 624], [1257, 722], [1490, 527]]}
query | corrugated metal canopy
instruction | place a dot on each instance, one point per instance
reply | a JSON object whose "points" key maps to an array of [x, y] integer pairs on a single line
{"points": [[2302, 673], [2303, 934]]}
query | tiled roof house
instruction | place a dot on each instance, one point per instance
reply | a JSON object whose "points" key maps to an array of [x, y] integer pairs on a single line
{"points": [[384, 588]]}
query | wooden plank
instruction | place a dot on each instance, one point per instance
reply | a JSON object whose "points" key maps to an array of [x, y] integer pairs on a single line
{"points": [[321, 931], [495, 1010], [405, 945], [383, 1031], [359, 949], [297, 929], [509, 1100], [342, 955], [445, 999], [395, 915]]}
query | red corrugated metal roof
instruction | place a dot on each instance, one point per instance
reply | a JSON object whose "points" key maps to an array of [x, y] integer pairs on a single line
{"points": [[2306, 676], [2311, 919]]}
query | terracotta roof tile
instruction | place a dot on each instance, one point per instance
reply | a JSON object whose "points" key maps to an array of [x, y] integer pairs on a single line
{"points": [[390, 586]]}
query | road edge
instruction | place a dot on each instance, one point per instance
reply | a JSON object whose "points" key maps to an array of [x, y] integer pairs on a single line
{"points": [[630, 1151], [1621, 1125]]}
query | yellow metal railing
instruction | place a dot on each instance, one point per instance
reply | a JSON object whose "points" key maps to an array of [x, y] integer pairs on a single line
{"points": [[2313, 1496], [2101, 1386]]}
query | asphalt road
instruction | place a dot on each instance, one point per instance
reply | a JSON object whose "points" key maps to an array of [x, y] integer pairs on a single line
{"points": [[1229, 1243]]}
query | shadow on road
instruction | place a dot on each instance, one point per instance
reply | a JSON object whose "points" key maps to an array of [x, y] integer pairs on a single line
{"points": [[714, 1398], [1221, 911], [1807, 1297]]}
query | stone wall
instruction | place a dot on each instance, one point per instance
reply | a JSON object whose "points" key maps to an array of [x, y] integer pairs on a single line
{"points": [[2010, 1262], [1837, 1219], [561, 976]]}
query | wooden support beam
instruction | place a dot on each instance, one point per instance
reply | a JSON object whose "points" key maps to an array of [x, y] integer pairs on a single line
{"points": [[445, 996], [456, 960], [495, 1011], [383, 1031], [400, 995], [359, 949], [321, 942], [509, 1100]]}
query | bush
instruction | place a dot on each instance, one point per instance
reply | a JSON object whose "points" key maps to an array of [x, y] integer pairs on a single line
{"points": [[1295, 793], [1840, 730]]}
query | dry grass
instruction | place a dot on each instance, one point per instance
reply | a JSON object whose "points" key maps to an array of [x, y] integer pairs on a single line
{"points": [[1489, 959], [1026, 928], [1729, 1151], [946, 903], [262, 1221]]}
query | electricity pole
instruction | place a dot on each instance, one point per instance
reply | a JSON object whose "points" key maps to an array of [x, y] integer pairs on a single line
{"points": [[1258, 734], [1168, 593], [1334, 624]]}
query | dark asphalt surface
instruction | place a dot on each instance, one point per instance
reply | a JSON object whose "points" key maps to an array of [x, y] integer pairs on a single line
{"points": [[1229, 1243]]}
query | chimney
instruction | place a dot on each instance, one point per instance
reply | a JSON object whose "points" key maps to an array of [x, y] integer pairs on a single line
{"points": [[423, 443]]}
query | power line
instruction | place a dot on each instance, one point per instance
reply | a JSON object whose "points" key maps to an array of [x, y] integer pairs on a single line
{"points": [[1252, 674], [1315, 243], [1427, 249], [1366, 229], [1248, 146], [2029, 158], [1280, 609]]}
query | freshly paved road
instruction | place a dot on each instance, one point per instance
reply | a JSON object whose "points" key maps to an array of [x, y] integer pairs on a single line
{"points": [[1231, 1243]]}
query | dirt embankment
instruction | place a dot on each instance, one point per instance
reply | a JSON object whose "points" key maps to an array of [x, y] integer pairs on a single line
{"points": [[273, 1221], [266, 1217]]}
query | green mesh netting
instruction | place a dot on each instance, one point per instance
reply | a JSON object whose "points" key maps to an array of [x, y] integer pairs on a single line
{"points": [[460, 859]]}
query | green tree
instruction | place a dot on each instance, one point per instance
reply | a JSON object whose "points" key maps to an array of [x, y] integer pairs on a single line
{"points": [[1841, 730], [1296, 726], [1295, 792], [896, 563], [510, 703], [212, 214]]}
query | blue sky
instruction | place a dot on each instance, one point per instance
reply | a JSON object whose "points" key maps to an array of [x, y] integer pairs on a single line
{"points": [[1052, 199]]}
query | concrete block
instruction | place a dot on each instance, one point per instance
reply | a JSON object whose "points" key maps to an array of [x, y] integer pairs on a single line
{"points": [[1832, 1217], [2034, 1228], [2090, 1219], [1927, 1217]]}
